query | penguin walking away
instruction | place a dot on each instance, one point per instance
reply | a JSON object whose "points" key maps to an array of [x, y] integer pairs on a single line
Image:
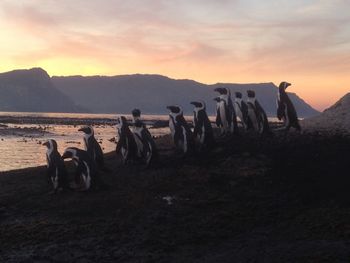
{"points": [[180, 131], [86, 176], [126, 145], [203, 131], [56, 169], [92, 146], [146, 146], [285, 108], [230, 114], [256, 114], [241, 109]]}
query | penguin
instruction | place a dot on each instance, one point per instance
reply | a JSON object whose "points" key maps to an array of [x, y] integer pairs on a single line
{"points": [[230, 114], [203, 131], [92, 147], [86, 173], [256, 114], [126, 145], [241, 109], [180, 131], [56, 170], [221, 112], [285, 108], [146, 147]]}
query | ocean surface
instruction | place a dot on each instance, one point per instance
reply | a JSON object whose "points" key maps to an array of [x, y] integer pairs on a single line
{"points": [[21, 142], [22, 134]]}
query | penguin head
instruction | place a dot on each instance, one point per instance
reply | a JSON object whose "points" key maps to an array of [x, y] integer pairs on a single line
{"points": [[284, 85], [136, 113], [217, 99], [87, 130], [198, 104], [70, 152], [174, 109], [238, 95], [251, 93], [51, 144], [222, 91]]}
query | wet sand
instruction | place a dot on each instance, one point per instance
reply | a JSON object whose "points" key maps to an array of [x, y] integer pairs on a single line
{"points": [[278, 199]]}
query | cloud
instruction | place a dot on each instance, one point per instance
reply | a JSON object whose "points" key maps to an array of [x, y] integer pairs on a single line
{"points": [[213, 40]]}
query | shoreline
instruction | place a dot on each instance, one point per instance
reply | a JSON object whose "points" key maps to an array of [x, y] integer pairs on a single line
{"points": [[278, 199]]}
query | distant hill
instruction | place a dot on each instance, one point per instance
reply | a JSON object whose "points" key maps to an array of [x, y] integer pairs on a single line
{"points": [[151, 93], [336, 117], [32, 90]]}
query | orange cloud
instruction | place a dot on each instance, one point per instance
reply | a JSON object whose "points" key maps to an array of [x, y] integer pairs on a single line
{"points": [[209, 41]]}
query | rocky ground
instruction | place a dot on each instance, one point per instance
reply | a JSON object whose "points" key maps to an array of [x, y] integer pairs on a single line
{"points": [[276, 199], [335, 118]]}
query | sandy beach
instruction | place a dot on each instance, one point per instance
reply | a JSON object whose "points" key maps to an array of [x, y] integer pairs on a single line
{"points": [[275, 199]]}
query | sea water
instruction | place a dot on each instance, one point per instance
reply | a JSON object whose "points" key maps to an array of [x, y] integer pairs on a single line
{"points": [[21, 145], [22, 137]]}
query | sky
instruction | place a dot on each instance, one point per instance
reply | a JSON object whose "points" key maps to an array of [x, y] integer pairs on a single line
{"points": [[305, 42]]}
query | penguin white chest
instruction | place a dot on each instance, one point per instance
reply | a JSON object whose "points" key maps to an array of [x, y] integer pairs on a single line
{"points": [[48, 156], [172, 127], [239, 111]]}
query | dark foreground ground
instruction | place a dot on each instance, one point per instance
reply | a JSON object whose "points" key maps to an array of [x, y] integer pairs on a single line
{"points": [[249, 200]]}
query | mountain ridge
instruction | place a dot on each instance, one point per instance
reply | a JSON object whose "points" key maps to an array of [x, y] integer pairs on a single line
{"points": [[121, 93], [152, 92], [32, 90]]}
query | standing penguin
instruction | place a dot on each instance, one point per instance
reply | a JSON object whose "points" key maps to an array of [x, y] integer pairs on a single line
{"points": [[221, 112], [92, 146], [180, 131], [146, 147], [86, 173], [56, 169], [256, 114], [126, 145], [285, 108], [225, 94], [241, 109], [202, 126]]}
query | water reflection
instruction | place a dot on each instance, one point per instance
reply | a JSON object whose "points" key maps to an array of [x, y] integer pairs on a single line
{"points": [[22, 146]]}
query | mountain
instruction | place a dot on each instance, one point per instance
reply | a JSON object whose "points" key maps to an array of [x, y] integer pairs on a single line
{"points": [[336, 117], [151, 93], [32, 90]]}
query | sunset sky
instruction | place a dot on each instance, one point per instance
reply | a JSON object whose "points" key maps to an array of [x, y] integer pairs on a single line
{"points": [[304, 42]]}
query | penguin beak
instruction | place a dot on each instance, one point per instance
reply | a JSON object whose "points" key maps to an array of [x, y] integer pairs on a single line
{"points": [[46, 144], [82, 129]]}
